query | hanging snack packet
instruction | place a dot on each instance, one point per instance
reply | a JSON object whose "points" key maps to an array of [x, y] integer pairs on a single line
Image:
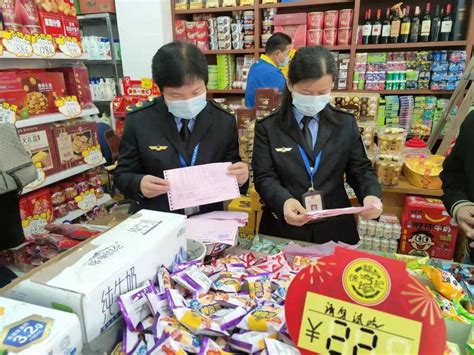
{"points": [[198, 323], [193, 280], [228, 319], [205, 304], [134, 305], [234, 301], [250, 342], [275, 347], [166, 346], [158, 303], [175, 299], [210, 347], [444, 282], [131, 341], [264, 319], [260, 286], [164, 279]]}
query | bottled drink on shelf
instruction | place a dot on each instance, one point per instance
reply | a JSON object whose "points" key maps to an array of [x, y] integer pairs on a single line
{"points": [[436, 25], [405, 26], [425, 25], [415, 26], [376, 28], [367, 28], [385, 36], [446, 25], [459, 28], [395, 26]]}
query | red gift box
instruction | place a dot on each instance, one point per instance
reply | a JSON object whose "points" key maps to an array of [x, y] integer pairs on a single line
{"points": [[29, 15], [296, 32], [50, 20], [290, 19], [12, 92], [345, 18], [427, 229], [42, 89], [25, 211], [315, 37], [330, 37], [316, 20], [40, 204], [344, 36], [77, 83], [331, 19], [38, 140], [180, 27]]}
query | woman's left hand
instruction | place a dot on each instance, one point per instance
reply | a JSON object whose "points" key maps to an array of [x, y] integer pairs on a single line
{"points": [[240, 171], [374, 212]]}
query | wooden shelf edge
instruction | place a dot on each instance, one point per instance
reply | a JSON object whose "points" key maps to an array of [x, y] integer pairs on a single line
{"points": [[227, 91], [214, 9], [304, 3], [405, 188], [231, 51], [408, 46]]}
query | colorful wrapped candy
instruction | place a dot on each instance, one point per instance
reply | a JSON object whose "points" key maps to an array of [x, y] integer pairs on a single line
{"points": [[444, 282], [264, 318], [250, 342], [260, 286]]}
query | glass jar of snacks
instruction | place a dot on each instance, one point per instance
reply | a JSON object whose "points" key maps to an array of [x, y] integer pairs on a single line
{"points": [[58, 196], [82, 185], [391, 140], [70, 190], [416, 148], [388, 168]]}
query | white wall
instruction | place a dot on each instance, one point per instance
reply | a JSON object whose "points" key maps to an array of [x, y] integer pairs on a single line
{"points": [[144, 26]]}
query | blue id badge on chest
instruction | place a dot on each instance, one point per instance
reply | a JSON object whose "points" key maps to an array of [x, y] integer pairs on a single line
{"points": [[313, 201]]}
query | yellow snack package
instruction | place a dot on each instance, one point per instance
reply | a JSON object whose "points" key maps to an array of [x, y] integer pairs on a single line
{"points": [[264, 319], [444, 282]]}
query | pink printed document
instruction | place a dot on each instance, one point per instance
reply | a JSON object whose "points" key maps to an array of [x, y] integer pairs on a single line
{"points": [[212, 231], [200, 185], [339, 211], [240, 217]]}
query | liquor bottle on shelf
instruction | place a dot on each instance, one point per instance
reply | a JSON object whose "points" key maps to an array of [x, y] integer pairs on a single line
{"points": [[376, 28], [446, 25], [459, 28], [425, 25], [395, 26], [385, 36], [405, 26], [415, 26], [367, 28], [436, 25]]}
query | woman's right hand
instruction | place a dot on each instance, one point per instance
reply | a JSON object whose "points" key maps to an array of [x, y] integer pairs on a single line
{"points": [[152, 186], [295, 213]]}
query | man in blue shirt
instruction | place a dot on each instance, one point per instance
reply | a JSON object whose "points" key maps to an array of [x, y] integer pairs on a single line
{"points": [[266, 72]]}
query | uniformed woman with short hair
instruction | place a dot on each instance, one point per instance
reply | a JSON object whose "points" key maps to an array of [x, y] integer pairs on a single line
{"points": [[302, 153], [181, 128]]}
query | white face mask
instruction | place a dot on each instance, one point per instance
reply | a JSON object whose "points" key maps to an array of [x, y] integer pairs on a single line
{"points": [[310, 105], [286, 61], [187, 109]]}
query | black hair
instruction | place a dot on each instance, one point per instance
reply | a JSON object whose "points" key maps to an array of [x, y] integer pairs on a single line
{"points": [[311, 62], [278, 41], [178, 63]]}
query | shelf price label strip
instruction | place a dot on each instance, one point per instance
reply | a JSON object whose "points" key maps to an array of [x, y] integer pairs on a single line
{"points": [[354, 303]]}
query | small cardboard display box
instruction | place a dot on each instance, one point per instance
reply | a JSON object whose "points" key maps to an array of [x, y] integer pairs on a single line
{"points": [[30, 329], [88, 280]]}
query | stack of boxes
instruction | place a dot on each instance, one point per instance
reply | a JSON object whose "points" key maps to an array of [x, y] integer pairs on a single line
{"points": [[447, 68], [266, 101], [427, 229], [212, 84], [246, 125], [224, 36], [342, 60], [407, 106], [268, 22], [423, 115], [249, 30], [294, 25], [225, 71]]}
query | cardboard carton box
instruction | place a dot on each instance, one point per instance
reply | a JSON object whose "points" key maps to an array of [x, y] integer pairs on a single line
{"points": [[12, 93], [27, 328], [77, 83], [41, 205], [256, 204], [242, 204], [39, 142], [97, 6], [427, 229], [88, 280]]}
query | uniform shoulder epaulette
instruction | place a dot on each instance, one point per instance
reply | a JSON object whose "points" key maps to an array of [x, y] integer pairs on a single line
{"points": [[220, 107], [140, 105], [271, 114], [338, 109]]}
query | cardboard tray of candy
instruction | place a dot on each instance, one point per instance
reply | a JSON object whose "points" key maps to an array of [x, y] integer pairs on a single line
{"points": [[218, 307]]}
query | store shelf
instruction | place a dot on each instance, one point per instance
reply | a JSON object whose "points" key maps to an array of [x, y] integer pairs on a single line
{"points": [[410, 46], [404, 187], [79, 213], [57, 56], [403, 92], [345, 47], [227, 91], [96, 17], [65, 174], [102, 61], [304, 3], [232, 51], [53, 117], [214, 10]]}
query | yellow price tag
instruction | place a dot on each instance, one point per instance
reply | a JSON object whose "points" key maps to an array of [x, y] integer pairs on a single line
{"points": [[43, 45], [146, 83], [18, 43], [333, 326], [69, 46]]}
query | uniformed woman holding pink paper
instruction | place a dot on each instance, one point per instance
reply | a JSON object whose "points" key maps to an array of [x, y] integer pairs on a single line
{"points": [[302, 153]]}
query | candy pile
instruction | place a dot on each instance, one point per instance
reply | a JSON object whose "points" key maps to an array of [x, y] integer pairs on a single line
{"points": [[236, 304]]}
